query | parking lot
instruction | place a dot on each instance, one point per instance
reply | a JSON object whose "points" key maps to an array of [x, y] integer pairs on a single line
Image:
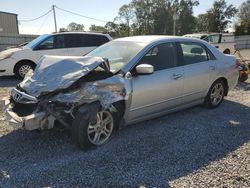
{"points": [[192, 148]]}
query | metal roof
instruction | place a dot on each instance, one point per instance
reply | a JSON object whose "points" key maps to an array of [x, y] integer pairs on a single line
{"points": [[8, 13]]}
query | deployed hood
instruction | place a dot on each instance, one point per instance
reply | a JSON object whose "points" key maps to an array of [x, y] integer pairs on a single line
{"points": [[59, 72]]}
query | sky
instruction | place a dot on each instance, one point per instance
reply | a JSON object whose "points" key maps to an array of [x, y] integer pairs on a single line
{"points": [[99, 9]]}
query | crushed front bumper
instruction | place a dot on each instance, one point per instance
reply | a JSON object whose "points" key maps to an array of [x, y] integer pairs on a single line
{"points": [[31, 122]]}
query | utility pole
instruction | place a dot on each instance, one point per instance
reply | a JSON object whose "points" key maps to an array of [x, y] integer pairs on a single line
{"points": [[54, 12], [175, 17]]}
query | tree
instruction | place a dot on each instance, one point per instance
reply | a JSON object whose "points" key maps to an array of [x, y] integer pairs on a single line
{"points": [[126, 14], [186, 21], [243, 28], [97, 28], [202, 23], [75, 27], [244, 11], [244, 15], [219, 16]]}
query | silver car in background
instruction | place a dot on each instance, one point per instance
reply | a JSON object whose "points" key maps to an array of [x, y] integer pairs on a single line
{"points": [[122, 82]]}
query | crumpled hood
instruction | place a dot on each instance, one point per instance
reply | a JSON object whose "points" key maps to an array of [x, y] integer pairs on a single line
{"points": [[58, 72]]}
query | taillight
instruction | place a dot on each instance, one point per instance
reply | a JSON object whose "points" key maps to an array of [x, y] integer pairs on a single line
{"points": [[237, 64]]}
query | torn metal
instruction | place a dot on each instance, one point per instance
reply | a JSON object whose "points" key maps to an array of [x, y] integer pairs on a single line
{"points": [[62, 85], [58, 72]]}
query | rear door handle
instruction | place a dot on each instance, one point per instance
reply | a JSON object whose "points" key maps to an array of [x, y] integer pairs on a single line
{"points": [[212, 67], [176, 76]]}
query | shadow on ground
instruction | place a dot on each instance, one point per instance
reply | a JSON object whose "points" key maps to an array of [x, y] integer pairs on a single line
{"points": [[150, 153], [9, 81]]}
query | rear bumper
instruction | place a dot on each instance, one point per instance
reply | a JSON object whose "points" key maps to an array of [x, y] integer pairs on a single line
{"points": [[30, 122]]}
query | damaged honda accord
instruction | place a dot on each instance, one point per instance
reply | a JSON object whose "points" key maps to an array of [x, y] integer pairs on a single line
{"points": [[119, 83]]}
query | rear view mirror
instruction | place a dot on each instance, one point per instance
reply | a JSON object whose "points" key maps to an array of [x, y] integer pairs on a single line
{"points": [[144, 69]]}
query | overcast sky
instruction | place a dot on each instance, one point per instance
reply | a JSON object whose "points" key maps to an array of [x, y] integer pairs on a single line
{"points": [[99, 9]]}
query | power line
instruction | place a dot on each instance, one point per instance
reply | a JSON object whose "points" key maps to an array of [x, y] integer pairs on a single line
{"points": [[99, 20], [45, 19], [37, 17]]}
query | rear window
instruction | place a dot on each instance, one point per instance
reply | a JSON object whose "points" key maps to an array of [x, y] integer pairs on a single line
{"points": [[84, 40]]}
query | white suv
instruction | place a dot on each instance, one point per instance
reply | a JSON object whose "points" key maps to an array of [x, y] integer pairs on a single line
{"points": [[20, 60]]}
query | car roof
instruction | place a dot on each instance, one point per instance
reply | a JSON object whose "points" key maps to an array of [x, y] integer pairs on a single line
{"points": [[78, 32], [153, 38]]}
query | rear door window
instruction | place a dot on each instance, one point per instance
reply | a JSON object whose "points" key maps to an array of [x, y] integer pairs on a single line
{"points": [[195, 53]]}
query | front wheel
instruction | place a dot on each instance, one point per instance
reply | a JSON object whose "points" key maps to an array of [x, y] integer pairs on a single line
{"points": [[215, 94], [87, 135], [23, 68]]}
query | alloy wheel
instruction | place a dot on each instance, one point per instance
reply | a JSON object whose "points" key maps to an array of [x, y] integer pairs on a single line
{"points": [[101, 131], [23, 70], [217, 94]]}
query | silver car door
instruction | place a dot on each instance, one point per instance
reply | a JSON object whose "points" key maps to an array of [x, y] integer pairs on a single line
{"points": [[160, 91], [197, 71]]}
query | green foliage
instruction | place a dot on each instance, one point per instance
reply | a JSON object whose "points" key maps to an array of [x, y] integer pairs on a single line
{"points": [[96, 28], [202, 23], [75, 27], [243, 28], [217, 18], [244, 11]]}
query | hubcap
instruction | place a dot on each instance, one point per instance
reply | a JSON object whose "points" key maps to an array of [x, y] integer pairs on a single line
{"points": [[101, 131], [217, 94], [23, 70]]}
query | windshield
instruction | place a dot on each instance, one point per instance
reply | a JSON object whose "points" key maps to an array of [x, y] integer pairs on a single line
{"points": [[37, 40], [119, 53]]}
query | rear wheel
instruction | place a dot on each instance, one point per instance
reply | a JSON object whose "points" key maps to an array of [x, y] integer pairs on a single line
{"points": [[227, 51], [23, 68], [215, 94], [243, 77], [87, 135]]}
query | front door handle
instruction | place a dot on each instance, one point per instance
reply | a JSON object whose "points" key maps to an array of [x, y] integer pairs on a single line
{"points": [[176, 76]]}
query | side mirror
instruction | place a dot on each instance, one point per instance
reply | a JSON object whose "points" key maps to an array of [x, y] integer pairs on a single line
{"points": [[144, 69]]}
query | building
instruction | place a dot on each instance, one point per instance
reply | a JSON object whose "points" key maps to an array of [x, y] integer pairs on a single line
{"points": [[9, 32], [8, 24]]}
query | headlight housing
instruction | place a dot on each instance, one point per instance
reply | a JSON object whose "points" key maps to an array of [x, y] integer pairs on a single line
{"points": [[5, 55]]}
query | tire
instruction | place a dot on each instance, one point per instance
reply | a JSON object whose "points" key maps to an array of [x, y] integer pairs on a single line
{"points": [[23, 67], [243, 77], [86, 135], [215, 94], [227, 51]]}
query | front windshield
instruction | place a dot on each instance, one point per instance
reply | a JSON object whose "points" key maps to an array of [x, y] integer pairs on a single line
{"points": [[37, 40], [119, 53]]}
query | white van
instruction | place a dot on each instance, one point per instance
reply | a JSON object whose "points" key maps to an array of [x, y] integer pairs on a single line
{"points": [[223, 41], [20, 60]]}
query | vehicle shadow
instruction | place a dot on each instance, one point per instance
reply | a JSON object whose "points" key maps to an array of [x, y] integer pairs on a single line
{"points": [[149, 154], [9, 81]]}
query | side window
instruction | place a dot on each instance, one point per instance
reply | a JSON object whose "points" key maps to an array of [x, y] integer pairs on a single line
{"points": [[213, 38], [162, 56], [72, 40], [193, 53], [47, 44], [59, 41], [93, 40]]}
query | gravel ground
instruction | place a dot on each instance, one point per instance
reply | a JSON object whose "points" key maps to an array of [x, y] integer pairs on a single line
{"points": [[196, 147]]}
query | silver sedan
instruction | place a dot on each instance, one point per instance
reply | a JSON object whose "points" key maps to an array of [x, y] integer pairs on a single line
{"points": [[122, 82]]}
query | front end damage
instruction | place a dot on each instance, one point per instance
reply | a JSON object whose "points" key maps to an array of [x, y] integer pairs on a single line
{"points": [[60, 87]]}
